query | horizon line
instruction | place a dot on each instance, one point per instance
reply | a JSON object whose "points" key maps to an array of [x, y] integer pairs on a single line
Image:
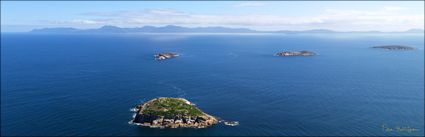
{"points": [[214, 26]]}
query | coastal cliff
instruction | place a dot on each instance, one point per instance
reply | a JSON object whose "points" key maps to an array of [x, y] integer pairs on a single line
{"points": [[167, 112]]}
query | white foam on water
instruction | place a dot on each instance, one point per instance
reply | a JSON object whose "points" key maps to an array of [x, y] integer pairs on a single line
{"points": [[230, 123], [134, 109]]}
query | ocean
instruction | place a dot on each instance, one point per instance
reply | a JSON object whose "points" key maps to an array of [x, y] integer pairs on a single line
{"points": [[86, 84]]}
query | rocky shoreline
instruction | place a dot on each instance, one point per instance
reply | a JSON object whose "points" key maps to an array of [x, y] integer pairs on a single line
{"points": [[171, 113], [395, 47], [166, 55], [296, 53]]}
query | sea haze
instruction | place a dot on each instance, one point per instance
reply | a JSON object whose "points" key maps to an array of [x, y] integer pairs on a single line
{"points": [[85, 84], [180, 29]]}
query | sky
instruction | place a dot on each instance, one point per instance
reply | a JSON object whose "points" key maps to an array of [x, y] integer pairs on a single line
{"points": [[18, 16]]}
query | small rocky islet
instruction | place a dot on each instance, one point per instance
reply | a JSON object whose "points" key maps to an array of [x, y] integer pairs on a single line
{"points": [[394, 47], [296, 53], [166, 55], [167, 112]]}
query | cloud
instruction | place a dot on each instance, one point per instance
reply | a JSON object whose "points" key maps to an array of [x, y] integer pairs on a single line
{"points": [[393, 8], [249, 4], [88, 22], [386, 19], [368, 20]]}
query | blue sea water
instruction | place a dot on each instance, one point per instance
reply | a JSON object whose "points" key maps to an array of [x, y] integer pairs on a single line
{"points": [[82, 84]]}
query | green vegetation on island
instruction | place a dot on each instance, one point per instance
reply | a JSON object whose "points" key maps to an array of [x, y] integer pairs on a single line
{"points": [[168, 112], [170, 107]]}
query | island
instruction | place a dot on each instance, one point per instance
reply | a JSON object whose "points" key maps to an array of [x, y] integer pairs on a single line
{"points": [[296, 53], [166, 112], [394, 47], [231, 123], [166, 55]]}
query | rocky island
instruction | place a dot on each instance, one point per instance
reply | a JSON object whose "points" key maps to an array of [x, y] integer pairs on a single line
{"points": [[394, 47], [168, 112], [296, 53], [166, 55]]}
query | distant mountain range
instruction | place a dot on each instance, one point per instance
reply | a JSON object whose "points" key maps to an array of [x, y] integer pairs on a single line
{"points": [[179, 29]]}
